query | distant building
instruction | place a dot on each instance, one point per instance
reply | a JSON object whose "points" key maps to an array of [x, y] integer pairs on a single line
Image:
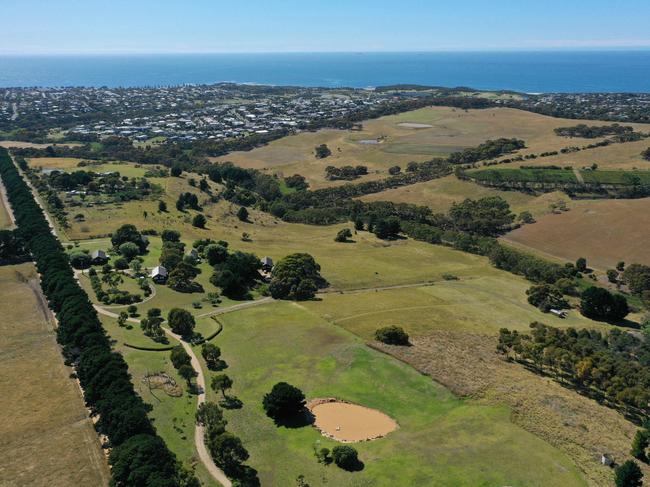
{"points": [[159, 275], [267, 264], [606, 460], [559, 313], [99, 257]]}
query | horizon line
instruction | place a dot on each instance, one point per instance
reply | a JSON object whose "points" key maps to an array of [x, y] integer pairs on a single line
{"points": [[369, 51]]}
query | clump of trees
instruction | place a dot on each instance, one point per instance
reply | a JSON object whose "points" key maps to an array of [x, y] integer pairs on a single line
{"points": [[226, 449], [129, 234], [297, 182], [600, 304], [136, 450], [283, 402], [296, 277], [343, 235], [346, 173], [612, 367], [489, 216], [546, 297], [322, 151], [488, 150], [392, 335], [181, 322], [593, 131], [237, 273], [637, 277], [646, 154], [628, 474]]}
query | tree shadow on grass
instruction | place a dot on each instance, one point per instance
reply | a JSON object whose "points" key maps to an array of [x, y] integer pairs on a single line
{"points": [[300, 420], [357, 466], [231, 402]]}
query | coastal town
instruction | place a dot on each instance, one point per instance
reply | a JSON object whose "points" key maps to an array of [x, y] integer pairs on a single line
{"points": [[184, 113]]}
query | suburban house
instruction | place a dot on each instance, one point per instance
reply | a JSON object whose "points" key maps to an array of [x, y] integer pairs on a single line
{"points": [[99, 257], [267, 264], [159, 275]]}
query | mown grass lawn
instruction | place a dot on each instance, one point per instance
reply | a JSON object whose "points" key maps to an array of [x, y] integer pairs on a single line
{"points": [[441, 440]]}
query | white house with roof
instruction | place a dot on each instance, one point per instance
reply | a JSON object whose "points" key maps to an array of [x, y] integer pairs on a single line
{"points": [[159, 274]]}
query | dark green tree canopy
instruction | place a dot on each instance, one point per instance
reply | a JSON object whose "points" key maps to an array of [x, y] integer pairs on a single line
{"points": [[297, 276], [284, 401]]}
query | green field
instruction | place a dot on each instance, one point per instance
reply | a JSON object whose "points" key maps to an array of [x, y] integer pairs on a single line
{"points": [[441, 440], [509, 175]]}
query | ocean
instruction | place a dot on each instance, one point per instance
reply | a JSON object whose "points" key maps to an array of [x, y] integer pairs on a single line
{"points": [[531, 72]]}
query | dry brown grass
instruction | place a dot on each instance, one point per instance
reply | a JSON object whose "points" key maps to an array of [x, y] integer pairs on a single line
{"points": [[468, 365], [604, 232], [47, 436], [450, 130]]}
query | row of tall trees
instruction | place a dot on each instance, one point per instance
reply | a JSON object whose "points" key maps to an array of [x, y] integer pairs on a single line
{"points": [[138, 455]]}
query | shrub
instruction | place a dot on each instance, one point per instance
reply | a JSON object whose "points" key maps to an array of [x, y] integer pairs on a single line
{"points": [[283, 401], [628, 475], [176, 171], [343, 235], [199, 221], [242, 214], [345, 457], [121, 263], [392, 335]]}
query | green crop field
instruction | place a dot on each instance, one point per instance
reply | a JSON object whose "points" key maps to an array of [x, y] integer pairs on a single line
{"points": [[509, 175]]}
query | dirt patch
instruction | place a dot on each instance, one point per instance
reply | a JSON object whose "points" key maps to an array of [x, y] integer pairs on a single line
{"points": [[349, 423], [467, 364], [411, 125], [164, 382]]}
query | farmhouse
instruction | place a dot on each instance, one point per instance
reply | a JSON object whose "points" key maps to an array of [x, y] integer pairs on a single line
{"points": [[267, 264], [99, 257], [193, 253], [559, 313], [159, 275]]}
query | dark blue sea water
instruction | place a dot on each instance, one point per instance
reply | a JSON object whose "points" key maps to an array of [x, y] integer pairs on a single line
{"points": [[586, 71]]}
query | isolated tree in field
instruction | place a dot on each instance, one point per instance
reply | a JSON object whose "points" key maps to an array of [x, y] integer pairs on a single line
{"points": [[394, 170], [345, 457], [242, 214], [526, 217], [221, 382], [646, 154], [628, 475], [176, 171], [392, 335], [132, 310], [179, 357], [297, 276], [199, 221], [322, 151], [181, 322], [581, 264], [227, 451], [640, 445], [343, 235], [187, 372], [121, 320], [284, 401], [162, 206], [211, 354], [387, 228], [203, 185]]}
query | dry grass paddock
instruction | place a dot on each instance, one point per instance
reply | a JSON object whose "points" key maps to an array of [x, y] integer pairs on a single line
{"points": [[604, 232], [47, 436]]}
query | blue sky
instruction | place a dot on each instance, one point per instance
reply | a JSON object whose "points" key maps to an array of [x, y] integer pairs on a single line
{"points": [[119, 26]]}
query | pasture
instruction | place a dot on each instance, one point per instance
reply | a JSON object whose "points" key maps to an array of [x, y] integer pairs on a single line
{"points": [[604, 232], [423, 134], [441, 440], [48, 438]]}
